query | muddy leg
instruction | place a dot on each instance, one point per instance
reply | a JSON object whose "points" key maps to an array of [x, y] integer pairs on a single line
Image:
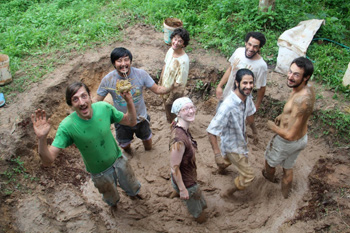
{"points": [[169, 116], [229, 192], [286, 184], [269, 173], [147, 144], [127, 148]]}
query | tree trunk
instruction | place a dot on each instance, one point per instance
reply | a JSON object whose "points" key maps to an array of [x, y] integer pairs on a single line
{"points": [[265, 4]]}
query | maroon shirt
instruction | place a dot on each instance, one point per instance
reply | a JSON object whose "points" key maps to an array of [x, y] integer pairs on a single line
{"points": [[188, 166]]}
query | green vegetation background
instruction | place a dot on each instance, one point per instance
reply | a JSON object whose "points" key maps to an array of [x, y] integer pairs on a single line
{"points": [[38, 35]]}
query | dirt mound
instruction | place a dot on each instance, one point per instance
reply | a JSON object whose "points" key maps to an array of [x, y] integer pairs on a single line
{"points": [[63, 197]]}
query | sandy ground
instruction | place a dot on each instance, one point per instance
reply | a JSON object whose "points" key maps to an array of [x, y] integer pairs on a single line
{"points": [[65, 199]]}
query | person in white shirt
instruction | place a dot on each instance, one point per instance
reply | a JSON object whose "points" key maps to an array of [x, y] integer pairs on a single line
{"points": [[175, 71], [246, 57]]}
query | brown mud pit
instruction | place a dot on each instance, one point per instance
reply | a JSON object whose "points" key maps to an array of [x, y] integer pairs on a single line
{"points": [[62, 198]]}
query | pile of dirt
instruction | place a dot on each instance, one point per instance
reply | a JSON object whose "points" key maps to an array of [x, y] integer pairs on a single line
{"points": [[63, 197]]}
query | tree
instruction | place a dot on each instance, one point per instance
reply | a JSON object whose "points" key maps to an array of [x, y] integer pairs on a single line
{"points": [[265, 4]]}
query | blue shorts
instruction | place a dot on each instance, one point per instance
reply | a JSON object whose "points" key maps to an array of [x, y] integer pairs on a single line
{"points": [[125, 134], [106, 181], [196, 203]]}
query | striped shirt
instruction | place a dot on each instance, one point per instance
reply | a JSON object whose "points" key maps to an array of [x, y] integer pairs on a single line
{"points": [[229, 123]]}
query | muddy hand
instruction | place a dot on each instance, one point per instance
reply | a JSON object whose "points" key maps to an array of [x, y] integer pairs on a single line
{"points": [[126, 95], [173, 87], [255, 139], [249, 67], [278, 120], [41, 124], [219, 93], [270, 124], [184, 195]]}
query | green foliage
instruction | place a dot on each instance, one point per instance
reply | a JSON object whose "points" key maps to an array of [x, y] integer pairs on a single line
{"points": [[330, 63], [12, 176], [31, 31], [199, 85], [271, 108], [336, 123]]}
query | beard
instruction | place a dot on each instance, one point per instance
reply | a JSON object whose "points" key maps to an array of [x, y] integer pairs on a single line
{"points": [[242, 90], [295, 85], [250, 57]]}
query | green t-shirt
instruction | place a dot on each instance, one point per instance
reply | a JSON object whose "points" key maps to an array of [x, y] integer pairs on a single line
{"points": [[93, 137]]}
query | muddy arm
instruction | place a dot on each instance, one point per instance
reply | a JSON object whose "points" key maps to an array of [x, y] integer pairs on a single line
{"points": [[161, 76], [160, 90], [214, 143], [176, 154], [251, 123], [223, 81], [260, 96], [129, 117]]}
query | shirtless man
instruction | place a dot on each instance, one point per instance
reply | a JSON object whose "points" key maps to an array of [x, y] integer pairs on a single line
{"points": [[291, 126]]}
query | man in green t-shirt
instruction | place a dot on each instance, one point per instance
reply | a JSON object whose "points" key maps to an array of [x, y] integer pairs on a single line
{"points": [[88, 127]]}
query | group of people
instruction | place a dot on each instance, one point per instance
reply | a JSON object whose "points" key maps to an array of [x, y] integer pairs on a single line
{"points": [[88, 127]]}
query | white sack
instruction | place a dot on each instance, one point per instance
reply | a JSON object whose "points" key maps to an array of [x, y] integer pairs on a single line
{"points": [[294, 42]]}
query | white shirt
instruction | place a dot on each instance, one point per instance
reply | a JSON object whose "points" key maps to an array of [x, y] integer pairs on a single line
{"points": [[259, 68]]}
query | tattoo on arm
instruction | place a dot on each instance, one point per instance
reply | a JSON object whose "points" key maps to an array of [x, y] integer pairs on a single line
{"points": [[304, 105]]}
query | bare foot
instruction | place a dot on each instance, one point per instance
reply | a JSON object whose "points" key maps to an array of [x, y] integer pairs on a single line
{"points": [[270, 178], [222, 171], [286, 189], [202, 218], [140, 196], [228, 193], [114, 210]]}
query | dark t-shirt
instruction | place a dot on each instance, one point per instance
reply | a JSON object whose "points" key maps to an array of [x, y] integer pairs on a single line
{"points": [[188, 166]]}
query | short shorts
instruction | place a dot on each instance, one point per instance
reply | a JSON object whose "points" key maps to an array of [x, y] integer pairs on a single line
{"points": [[106, 181], [284, 152], [125, 134], [196, 203]]}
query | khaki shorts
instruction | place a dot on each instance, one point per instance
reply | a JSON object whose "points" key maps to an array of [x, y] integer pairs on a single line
{"points": [[283, 152], [246, 174]]}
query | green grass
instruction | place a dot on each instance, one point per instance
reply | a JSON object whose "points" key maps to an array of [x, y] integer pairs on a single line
{"points": [[334, 124], [13, 176], [39, 34]]}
